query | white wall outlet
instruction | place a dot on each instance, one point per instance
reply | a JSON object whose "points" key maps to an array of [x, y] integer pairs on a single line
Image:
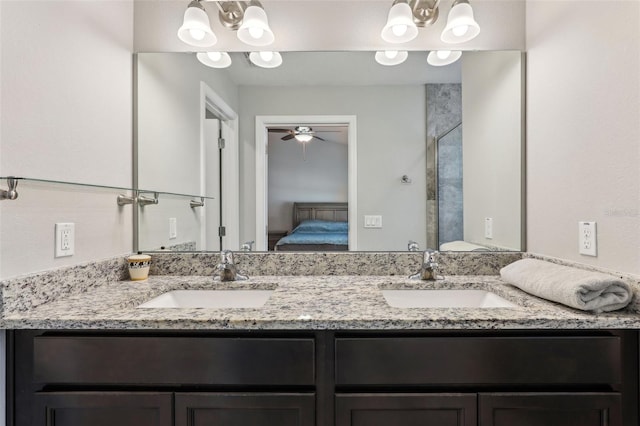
{"points": [[372, 221], [65, 239], [587, 239], [488, 227], [173, 228]]}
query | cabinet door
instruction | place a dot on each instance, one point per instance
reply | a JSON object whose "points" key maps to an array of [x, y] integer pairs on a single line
{"points": [[406, 410], [547, 409], [244, 409], [103, 409]]}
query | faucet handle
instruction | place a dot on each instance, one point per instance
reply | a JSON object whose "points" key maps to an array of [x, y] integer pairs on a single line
{"points": [[430, 256], [247, 246], [413, 246]]}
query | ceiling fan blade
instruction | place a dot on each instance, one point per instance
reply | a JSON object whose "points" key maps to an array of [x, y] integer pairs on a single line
{"points": [[319, 138], [279, 130], [286, 138]]}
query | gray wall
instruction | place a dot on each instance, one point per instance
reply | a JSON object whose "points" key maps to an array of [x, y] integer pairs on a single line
{"points": [[493, 112], [169, 151], [391, 134]]}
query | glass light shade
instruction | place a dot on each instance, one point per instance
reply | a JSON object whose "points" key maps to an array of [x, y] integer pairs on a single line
{"points": [[196, 29], [266, 59], [303, 137], [214, 59], [255, 30], [400, 27], [391, 57], [461, 26], [439, 58]]}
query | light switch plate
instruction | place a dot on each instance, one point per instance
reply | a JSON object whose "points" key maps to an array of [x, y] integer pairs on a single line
{"points": [[371, 221]]}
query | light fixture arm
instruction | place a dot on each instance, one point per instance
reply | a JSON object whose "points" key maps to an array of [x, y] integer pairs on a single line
{"points": [[230, 13]]}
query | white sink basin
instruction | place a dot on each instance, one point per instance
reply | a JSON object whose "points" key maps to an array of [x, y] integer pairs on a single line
{"points": [[216, 299], [445, 299]]}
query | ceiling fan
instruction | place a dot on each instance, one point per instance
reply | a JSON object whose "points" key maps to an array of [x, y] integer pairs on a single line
{"points": [[302, 134]]}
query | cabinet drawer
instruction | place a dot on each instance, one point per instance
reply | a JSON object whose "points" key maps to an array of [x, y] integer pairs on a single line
{"points": [[478, 360], [173, 360]]}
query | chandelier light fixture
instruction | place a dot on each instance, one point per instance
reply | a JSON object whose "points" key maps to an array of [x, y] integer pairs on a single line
{"points": [[439, 58], [196, 29], [248, 19], [266, 59], [406, 16], [461, 25], [391, 57], [214, 59]]}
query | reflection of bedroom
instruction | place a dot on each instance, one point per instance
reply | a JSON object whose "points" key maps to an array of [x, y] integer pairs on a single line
{"points": [[303, 172]]}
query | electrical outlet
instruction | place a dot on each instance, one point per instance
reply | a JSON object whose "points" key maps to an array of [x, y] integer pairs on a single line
{"points": [[488, 227], [587, 238], [65, 239], [372, 221], [173, 228]]}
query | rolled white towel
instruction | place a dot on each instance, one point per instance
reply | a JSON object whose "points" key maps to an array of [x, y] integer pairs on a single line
{"points": [[589, 291]]}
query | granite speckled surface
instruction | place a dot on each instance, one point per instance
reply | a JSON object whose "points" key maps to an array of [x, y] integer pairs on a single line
{"points": [[311, 291], [333, 263], [302, 302]]}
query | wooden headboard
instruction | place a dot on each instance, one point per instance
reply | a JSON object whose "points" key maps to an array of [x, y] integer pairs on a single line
{"points": [[334, 212]]}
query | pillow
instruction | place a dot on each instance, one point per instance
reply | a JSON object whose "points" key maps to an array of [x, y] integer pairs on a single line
{"points": [[321, 226]]}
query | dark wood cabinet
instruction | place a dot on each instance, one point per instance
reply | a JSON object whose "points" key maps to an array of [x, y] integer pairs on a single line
{"points": [[406, 410], [244, 409], [550, 409], [323, 378], [102, 409]]}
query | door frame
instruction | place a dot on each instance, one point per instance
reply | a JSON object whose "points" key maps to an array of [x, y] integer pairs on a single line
{"points": [[230, 176], [262, 139]]}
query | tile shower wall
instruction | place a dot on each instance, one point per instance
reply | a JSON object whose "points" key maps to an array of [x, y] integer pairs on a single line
{"points": [[444, 111]]}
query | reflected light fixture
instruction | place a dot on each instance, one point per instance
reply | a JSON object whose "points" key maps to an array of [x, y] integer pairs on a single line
{"points": [[391, 57], [439, 58], [196, 29], [214, 59], [266, 59], [400, 27], [303, 137], [255, 30], [461, 25]]}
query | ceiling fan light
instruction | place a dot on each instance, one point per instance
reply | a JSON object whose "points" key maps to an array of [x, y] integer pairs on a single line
{"points": [[196, 29], [258, 59], [255, 30], [400, 27], [214, 59], [303, 137], [389, 59], [461, 25], [438, 59]]}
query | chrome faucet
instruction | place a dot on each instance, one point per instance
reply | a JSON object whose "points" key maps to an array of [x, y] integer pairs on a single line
{"points": [[429, 267], [413, 246], [226, 269], [247, 246]]}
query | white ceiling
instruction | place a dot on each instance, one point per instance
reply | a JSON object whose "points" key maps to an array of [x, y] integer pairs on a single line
{"points": [[328, 25]]}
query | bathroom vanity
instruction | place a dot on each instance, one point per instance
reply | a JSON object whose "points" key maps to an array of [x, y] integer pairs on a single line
{"points": [[324, 350]]}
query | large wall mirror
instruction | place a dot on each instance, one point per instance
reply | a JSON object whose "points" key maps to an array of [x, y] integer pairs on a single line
{"points": [[369, 157]]}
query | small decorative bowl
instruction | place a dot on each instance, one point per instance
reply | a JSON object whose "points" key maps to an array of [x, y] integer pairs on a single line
{"points": [[139, 266]]}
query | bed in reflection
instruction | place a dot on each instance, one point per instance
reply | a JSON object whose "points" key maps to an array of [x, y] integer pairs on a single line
{"points": [[317, 227]]}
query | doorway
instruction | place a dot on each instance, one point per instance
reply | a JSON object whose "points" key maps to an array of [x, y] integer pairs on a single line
{"points": [[263, 123]]}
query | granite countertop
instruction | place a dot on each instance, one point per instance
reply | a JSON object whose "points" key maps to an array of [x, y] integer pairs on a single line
{"points": [[306, 302]]}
